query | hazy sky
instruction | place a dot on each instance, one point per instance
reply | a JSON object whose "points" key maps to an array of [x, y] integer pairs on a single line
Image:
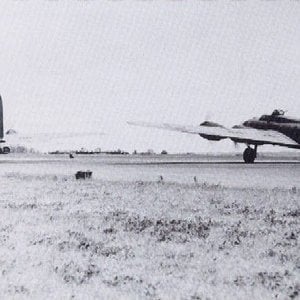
{"points": [[75, 65]]}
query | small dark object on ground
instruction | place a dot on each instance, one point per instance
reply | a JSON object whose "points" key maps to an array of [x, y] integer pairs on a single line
{"points": [[83, 174], [71, 155]]}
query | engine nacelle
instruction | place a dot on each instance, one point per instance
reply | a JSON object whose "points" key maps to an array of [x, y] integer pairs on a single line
{"points": [[211, 137]]}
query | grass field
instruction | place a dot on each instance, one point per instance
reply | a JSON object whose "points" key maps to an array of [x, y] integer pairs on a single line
{"points": [[62, 239]]}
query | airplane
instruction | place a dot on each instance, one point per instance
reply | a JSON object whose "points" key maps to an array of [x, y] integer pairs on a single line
{"points": [[275, 129], [3, 149]]}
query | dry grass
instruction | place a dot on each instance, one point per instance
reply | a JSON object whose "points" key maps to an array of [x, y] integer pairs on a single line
{"points": [[61, 238]]}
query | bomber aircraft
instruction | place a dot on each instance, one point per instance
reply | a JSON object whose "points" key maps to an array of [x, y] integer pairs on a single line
{"points": [[3, 148], [275, 129]]}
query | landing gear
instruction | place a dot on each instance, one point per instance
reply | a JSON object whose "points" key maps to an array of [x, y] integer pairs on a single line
{"points": [[249, 155], [4, 150]]}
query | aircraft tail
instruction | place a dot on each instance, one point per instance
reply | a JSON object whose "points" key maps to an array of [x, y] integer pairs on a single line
{"points": [[1, 119]]}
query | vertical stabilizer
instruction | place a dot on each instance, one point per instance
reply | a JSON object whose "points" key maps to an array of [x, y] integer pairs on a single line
{"points": [[1, 119]]}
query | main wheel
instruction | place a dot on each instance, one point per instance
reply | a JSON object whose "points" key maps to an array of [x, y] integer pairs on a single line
{"points": [[249, 155], [6, 150]]}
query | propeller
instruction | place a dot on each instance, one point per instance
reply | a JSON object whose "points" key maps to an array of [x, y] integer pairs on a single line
{"points": [[236, 145], [208, 116]]}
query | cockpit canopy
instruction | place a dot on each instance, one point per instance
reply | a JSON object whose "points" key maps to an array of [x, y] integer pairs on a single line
{"points": [[278, 117], [274, 116], [278, 112]]}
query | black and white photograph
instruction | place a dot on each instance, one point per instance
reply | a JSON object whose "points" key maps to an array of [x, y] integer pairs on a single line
{"points": [[150, 149]]}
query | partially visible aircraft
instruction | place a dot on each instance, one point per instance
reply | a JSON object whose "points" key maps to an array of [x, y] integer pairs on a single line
{"points": [[3, 149], [13, 137], [275, 129]]}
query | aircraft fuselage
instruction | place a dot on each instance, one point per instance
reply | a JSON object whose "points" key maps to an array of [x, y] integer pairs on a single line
{"points": [[287, 126]]}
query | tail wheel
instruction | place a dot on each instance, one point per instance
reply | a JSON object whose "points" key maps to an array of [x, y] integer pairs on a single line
{"points": [[6, 150], [249, 155], [1, 151]]}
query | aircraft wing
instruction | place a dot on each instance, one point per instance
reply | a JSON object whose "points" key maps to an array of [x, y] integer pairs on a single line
{"points": [[13, 136], [239, 135], [50, 136]]}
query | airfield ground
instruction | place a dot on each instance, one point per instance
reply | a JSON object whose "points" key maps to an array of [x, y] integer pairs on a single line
{"points": [[230, 233]]}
